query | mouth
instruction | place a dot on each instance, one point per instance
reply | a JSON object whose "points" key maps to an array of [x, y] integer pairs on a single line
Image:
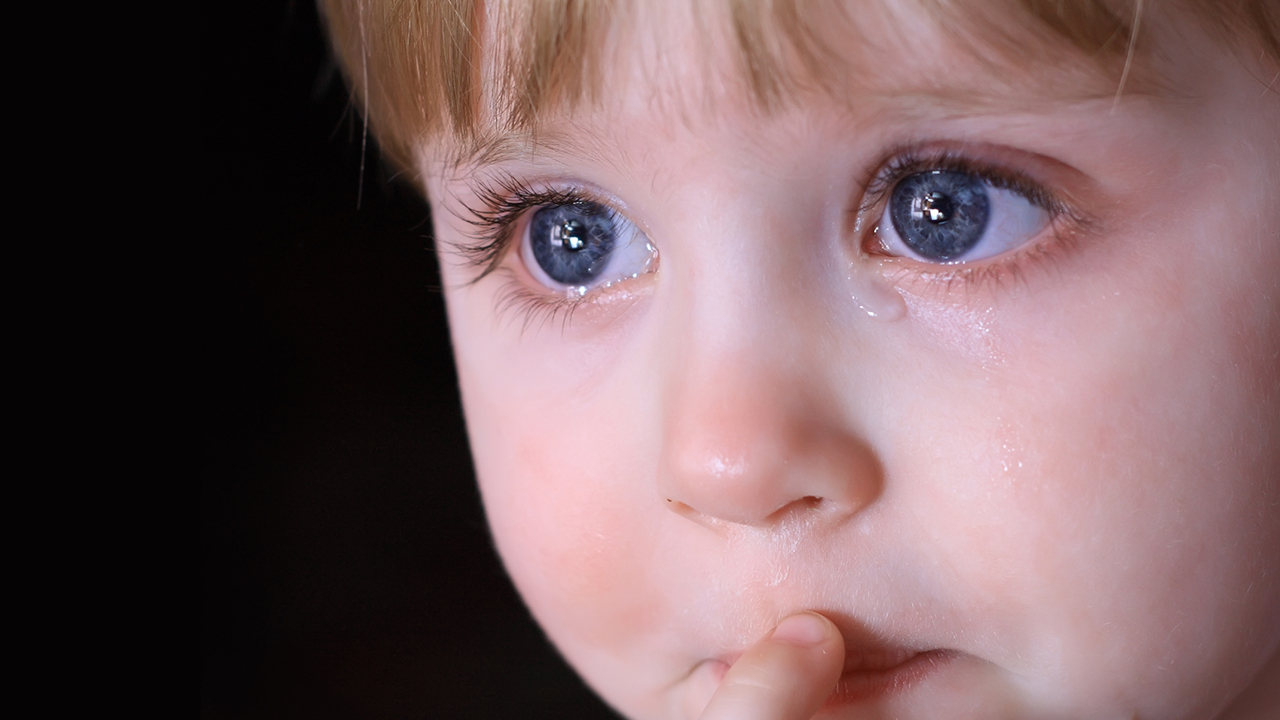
{"points": [[872, 674], [878, 674]]}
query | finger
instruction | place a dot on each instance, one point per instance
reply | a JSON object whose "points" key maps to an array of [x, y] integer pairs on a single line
{"points": [[785, 676]]}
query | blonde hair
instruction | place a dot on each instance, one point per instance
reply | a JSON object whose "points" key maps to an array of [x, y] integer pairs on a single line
{"points": [[416, 66]]}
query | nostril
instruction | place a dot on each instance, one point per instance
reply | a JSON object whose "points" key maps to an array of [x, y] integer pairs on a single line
{"points": [[690, 512], [799, 506], [794, 510], [680, 508]]}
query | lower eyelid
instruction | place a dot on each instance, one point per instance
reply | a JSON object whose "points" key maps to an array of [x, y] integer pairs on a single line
{"points": [[516, 302], [1056, 244]]}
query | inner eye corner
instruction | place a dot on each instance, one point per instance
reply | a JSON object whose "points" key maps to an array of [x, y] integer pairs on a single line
{"points": [[865, 223], [870, 244]]}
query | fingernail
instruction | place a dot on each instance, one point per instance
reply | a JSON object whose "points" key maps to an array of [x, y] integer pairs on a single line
{"points": [[804, 629]]}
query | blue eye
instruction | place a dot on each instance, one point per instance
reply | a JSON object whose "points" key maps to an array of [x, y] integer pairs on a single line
{"points": [[944, 216], [583, 244]]}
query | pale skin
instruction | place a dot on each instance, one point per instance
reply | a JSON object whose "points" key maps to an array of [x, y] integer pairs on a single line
{"points": [[1051, 471]]}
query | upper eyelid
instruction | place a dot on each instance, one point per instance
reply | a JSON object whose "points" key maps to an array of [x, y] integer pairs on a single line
{"points": [[496, 187], [506, 196], [908, 160]]}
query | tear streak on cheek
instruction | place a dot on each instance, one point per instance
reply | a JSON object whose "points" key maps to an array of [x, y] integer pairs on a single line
{"points": [[969, 332]]}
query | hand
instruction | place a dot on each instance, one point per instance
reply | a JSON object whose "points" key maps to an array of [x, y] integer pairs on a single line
{"points": [[785, 676]]}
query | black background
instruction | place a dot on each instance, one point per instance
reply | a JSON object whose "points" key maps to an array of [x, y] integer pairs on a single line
{"points": [[346, 570]]}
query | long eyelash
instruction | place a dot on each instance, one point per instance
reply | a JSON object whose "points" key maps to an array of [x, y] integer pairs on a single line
{"points": [[502, 201]]}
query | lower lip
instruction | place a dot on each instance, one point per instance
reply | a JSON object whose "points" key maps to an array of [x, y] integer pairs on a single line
{"points": [[862, 685], [858, 686]]}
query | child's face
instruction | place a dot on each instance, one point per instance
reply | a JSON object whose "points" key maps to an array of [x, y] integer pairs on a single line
{"points": [[1040, 446]]}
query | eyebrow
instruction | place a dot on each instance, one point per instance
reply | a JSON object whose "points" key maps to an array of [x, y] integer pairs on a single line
{"points": [[502, 147]]}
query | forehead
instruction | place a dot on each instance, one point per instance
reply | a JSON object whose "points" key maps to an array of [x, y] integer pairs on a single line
{"points": [[543, 62]]}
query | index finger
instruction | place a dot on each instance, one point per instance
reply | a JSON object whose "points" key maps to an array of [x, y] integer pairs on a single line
{"points": [[785, 676]]}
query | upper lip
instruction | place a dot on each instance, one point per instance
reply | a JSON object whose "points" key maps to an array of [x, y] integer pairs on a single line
{"points": [[860, 658]]}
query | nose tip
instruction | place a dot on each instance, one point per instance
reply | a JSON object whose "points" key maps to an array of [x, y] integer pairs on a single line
{"points": [[709, 484], [753, 463]]}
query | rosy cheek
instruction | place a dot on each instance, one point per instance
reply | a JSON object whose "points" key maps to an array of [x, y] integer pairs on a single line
{"points": [[570, 535]]}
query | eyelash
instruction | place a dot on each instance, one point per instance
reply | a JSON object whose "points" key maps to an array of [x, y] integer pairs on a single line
{"points": [[504, 199]]}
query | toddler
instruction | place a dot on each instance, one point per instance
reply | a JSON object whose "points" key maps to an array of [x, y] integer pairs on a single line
{"points": [[910, 359]]}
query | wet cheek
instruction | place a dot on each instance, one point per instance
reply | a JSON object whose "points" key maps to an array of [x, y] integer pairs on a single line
{"points": [[1143, 470]]}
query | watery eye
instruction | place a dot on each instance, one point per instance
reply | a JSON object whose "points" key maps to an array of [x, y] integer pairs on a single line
{"points": [[581, 245], [951, 217]]}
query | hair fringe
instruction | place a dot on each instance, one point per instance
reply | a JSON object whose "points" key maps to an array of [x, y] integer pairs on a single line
{"points": [[417, 68]]}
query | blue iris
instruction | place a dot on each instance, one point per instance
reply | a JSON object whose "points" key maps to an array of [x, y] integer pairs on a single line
{"points": [[572, 243], [940, 214]]}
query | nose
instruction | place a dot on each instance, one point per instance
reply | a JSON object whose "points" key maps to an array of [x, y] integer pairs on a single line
{"points": [[746, 442]]}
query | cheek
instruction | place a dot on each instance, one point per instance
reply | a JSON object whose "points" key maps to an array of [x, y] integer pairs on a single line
{"points": [[570, 541], [1118, 486], [558, 473]]}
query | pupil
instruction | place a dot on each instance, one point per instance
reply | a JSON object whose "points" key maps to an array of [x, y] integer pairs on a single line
{"points": [[936, 207], [940, 214], [570, 234]]}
